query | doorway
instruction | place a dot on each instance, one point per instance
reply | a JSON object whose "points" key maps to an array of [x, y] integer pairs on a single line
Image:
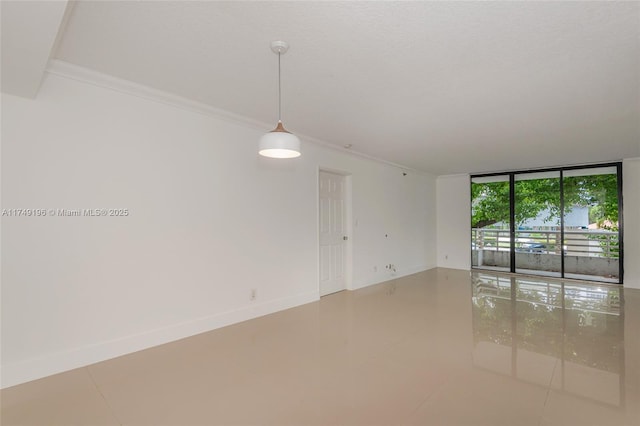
{"points": [[333, 232]]}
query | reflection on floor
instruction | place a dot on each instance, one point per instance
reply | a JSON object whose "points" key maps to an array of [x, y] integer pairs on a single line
{"points": [[563, 336], [551, 274], [442, 347]]}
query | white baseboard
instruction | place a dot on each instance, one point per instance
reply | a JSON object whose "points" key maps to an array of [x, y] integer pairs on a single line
{"points": [[632, 283], [21, 372]]}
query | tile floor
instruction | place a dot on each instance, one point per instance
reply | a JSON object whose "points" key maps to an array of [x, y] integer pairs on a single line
{"points": [[442, 347]]}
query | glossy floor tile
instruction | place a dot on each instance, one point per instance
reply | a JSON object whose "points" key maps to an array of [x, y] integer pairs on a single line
{"points": [[442, 347]]}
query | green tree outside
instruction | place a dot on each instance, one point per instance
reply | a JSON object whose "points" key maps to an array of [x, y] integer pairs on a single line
{"points": [[490, 201]]}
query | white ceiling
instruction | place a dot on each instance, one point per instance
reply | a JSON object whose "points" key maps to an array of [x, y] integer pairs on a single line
{"points": [[444, 87], [29, 30]]}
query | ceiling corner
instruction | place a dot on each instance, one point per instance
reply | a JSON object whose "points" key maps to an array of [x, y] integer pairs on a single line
{"points": [[30, 31]]}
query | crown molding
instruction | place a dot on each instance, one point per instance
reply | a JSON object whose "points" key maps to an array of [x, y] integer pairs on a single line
{"points": [[95, 78], [85, 75]]}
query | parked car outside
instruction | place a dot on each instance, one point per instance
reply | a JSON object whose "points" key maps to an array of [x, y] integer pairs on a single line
{"points": [[532, 248]]}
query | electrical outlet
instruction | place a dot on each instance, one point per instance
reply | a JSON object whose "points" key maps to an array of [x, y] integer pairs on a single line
{"points": [[254, 294], [446, 257], [375, 269]]}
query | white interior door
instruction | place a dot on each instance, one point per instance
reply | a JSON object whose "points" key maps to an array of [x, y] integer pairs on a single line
{"points": [[333, 237]]}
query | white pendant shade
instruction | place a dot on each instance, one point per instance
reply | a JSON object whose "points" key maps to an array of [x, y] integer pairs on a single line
{"points": [[279, 143]]}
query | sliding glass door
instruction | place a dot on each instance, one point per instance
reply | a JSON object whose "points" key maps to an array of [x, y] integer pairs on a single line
{"points": [[491, 223], [591, 224], [538, 223], [563, 222]]}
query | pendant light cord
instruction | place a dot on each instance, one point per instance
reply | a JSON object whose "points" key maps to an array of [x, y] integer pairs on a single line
{"points": [[279, 90]]}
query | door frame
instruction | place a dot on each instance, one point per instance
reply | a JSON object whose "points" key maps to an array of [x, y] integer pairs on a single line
{"points": [[348, 200], [512, 174]]}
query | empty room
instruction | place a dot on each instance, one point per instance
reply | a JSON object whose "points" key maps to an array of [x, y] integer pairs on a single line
{"points": [[320, 213]]}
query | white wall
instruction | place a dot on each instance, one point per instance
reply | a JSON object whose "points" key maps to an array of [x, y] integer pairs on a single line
{"points": [[453, 212], [576, 216], [209, 220], [631, 200], [454, 221]]}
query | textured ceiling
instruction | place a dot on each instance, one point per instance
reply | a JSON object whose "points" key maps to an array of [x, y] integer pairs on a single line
{"points": [[444, 87]]}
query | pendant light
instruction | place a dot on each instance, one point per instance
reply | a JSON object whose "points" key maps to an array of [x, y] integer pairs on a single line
{"points": [[279, 143]]}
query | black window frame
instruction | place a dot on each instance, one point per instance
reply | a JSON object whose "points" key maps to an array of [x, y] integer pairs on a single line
{"points": [[561, 169]]}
